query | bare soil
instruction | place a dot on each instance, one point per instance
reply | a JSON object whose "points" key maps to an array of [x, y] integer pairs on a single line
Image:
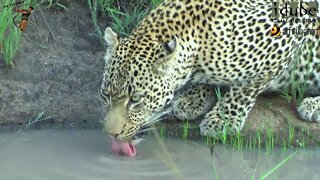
{"points": [[60, 77]]}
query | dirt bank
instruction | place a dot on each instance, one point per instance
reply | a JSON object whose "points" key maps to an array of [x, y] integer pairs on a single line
{"points": [[59, 76]]}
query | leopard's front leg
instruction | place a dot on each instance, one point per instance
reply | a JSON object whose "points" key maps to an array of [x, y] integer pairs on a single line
{"points": [[193, 101], [232, 110]]}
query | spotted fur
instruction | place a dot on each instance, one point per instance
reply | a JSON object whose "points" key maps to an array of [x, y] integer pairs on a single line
{"points": [[192, 42]]}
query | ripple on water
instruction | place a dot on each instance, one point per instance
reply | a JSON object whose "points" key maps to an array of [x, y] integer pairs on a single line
{"points": [[86, 154]]}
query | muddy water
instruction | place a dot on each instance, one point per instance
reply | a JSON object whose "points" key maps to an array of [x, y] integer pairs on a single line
{"points": [[86, 154]]}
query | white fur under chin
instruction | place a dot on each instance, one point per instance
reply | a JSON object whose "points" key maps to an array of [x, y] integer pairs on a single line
{"points": [[136, 141]]}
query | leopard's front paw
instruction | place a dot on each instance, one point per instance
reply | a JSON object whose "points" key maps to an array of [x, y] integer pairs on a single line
{"points": [[183, 110], [212, 126], [309, 109], [194, 102]]}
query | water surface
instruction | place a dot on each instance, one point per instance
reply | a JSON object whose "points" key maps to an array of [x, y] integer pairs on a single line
{"points": [[86, 154]]}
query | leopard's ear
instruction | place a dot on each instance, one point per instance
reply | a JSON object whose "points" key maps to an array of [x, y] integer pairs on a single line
{"points": [[167, 55], [170, 47], [111, 38], [112, 42]]}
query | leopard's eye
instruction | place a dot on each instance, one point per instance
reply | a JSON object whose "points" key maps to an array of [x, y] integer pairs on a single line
{"points": [[104, 95], [136, 98]]}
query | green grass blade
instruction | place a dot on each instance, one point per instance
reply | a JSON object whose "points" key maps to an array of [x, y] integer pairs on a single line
{"points": [[278, 166]]}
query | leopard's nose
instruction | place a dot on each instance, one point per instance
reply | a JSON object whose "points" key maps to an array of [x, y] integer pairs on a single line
{"points": [[115, 135]]}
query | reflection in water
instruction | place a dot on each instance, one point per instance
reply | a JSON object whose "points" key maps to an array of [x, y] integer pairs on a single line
{"points": [[86, 154]]}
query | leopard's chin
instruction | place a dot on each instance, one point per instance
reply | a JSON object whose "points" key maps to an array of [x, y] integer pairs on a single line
{"points": [[136, 140]]}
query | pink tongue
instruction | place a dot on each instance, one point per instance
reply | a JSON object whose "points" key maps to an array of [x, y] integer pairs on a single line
{"points": [[123, 148]]}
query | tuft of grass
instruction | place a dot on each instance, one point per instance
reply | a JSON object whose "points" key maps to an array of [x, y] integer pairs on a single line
{"points": [[301, 142], [261, 139], [93, 6], [124, 14], [124, 23], [291, 134], [48, 4], [185, 130], [162, 131], [258, 138], [269, 139], [11, 45], [10, 35], [40, 117], [284, 146], [294, 92]]}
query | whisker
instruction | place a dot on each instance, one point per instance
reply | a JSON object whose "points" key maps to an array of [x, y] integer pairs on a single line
{"points": [[100, 115], [158, 116], [147, 129], [101, 108], [154, 121]]}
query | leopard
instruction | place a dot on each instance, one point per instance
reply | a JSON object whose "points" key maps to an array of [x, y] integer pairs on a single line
{"points": [[177, 55]]}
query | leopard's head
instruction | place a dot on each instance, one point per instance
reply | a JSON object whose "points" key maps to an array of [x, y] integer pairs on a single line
{"points": [[137, 83]]}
